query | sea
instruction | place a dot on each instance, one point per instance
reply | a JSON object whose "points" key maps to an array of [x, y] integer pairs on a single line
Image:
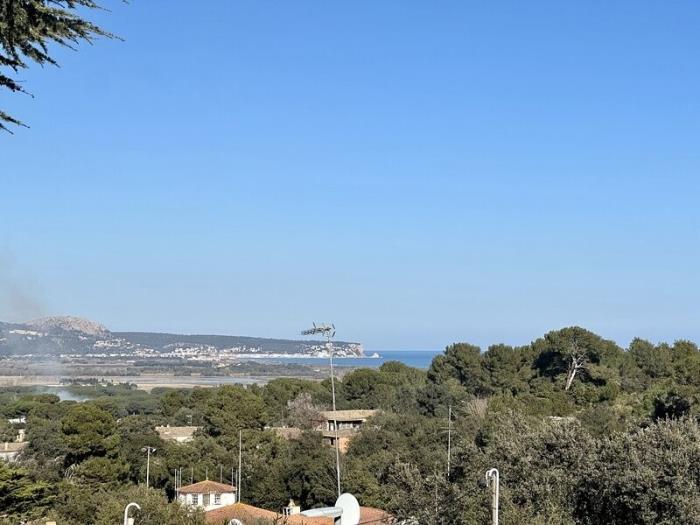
{"points": [[415, 358]]}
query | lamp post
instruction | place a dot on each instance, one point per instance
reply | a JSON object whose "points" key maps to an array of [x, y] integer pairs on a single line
{"points": [[148, 451], [127, 519], [492, 481]]}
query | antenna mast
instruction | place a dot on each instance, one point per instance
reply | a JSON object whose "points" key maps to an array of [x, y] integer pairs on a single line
{"points": [[240, 463], [329, 332]]}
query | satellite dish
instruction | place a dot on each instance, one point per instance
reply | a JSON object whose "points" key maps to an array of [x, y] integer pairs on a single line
{"points": [[345, 512], [351, 510]]}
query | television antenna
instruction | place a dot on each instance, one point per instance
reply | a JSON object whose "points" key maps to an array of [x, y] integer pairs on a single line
{"points": [[328, 331]]}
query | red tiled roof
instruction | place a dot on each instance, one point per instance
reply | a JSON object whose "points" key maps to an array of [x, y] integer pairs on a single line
{"points": [[250, 515], [206, 487], [372, 515]]}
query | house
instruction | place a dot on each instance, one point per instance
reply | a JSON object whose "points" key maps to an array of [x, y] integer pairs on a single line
{"points": [[344, 438], [9, 451], [346, 419], [349, 423], [207, 495], [249, 515], [177, 434], [292, 509]]}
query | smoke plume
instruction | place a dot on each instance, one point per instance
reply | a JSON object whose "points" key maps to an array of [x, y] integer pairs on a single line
{"points": [[19, 299]]}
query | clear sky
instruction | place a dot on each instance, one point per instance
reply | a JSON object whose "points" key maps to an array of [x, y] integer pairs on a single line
{"points": [[419, 173]]}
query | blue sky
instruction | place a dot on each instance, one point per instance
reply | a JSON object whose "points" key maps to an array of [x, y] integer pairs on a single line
{"points": [[417, 172]]}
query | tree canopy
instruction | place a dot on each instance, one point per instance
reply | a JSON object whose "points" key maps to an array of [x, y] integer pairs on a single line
{"points": [[619, 442]]}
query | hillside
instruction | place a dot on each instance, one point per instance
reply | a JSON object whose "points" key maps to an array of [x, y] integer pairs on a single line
{"points": [[76, 336]]}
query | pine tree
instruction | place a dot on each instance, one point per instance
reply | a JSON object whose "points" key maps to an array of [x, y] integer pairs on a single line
{"points": [[28, 27]]}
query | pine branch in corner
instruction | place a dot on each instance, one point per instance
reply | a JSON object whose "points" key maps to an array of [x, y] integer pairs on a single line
{"points": [[29, 27]]}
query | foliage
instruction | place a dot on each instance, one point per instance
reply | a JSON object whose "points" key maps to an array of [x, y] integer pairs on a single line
{"points": [[85, 429], [155, 509], [20, 495], [651, 476], [302, 412], [232, 408], [619, 445], [28, 27]]}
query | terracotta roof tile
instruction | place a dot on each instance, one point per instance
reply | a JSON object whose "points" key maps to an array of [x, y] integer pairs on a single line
{"points": [[372, 515], [250, 515], [205, 487]]}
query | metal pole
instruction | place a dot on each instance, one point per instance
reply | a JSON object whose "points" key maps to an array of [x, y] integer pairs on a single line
{"points": [[240, 462], [335, 420], [449, 439], [126, 511], [148, 451], [148, 464], [492, 480]]}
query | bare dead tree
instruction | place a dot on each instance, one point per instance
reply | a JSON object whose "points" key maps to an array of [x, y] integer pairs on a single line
{"points": [[577, 362]]}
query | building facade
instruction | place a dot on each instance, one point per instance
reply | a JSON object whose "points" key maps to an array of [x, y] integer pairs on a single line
{"points": [[177, 434], [207, 495], [348, 422]]}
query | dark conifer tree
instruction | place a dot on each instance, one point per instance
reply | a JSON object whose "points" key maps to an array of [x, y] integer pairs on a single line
{"points": [[28, 28]]}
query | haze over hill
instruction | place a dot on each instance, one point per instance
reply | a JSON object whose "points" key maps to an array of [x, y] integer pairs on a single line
{"points": [[63, 335]]}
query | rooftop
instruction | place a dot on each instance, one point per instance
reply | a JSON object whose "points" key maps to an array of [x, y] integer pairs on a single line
{"points": [[250, 515], [207, 487], [173, 433], [347, 415], [12, 446]]}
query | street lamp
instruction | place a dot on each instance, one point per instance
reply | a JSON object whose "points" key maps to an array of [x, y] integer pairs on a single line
{"points": [[148, 451], [492, 481], [127, 519]]}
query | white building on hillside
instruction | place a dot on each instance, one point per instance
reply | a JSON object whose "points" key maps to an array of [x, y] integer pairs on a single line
{"points": [[10, 451], [207, 495], [177, 434]]}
